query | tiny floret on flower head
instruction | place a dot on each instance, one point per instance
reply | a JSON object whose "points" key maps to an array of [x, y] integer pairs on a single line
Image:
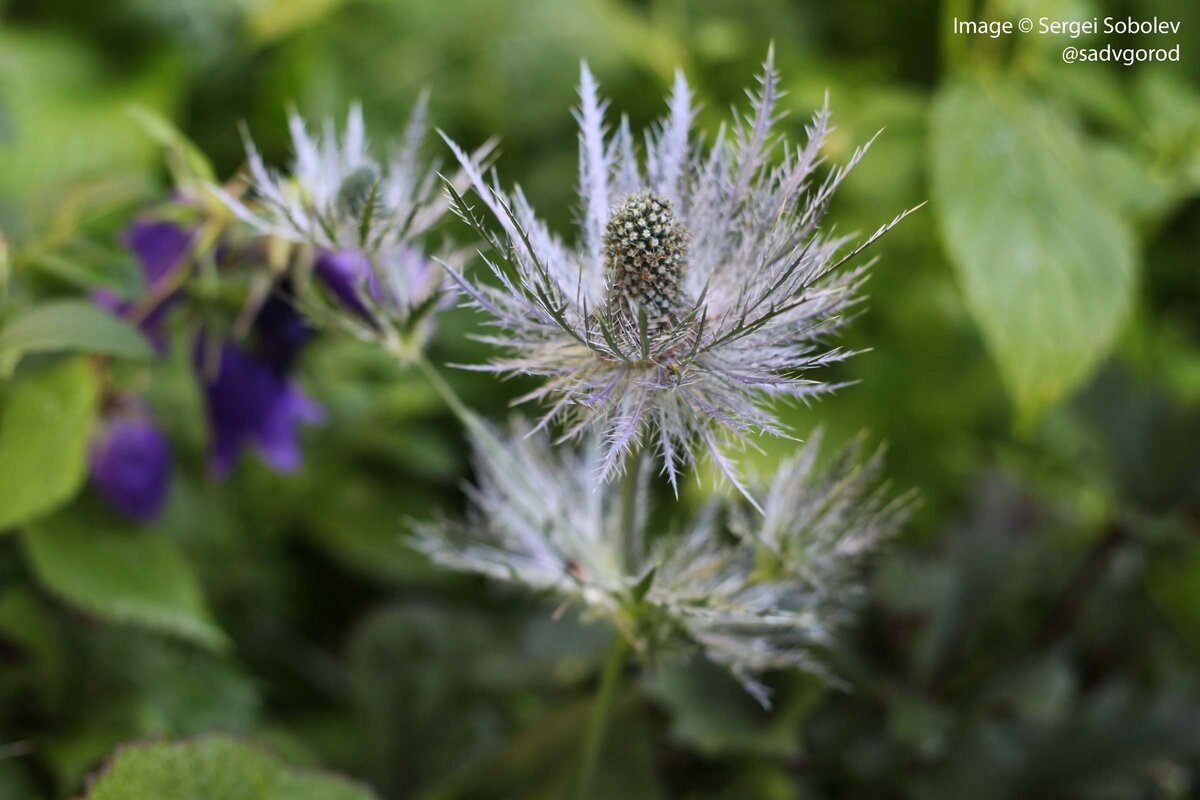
{"points": [[701, 289], [645, 258]]}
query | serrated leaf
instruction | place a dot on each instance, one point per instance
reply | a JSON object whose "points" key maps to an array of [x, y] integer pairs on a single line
{"points": [[131, 576], [45, 423], [214, 768], [1047, 268], [70, 326]]}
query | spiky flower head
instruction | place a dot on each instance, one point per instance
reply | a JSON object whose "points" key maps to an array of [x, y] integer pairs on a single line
{"points": [[538, 520], [701, 288], [366, 220], [337, 195]]}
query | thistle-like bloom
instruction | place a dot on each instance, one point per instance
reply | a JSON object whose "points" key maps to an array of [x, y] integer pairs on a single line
{"points": [[366, 219], [768, 593], [700, 290], [337, 196]]}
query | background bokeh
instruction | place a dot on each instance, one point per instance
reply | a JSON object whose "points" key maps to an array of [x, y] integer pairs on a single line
{"points": [[1035, 632]]}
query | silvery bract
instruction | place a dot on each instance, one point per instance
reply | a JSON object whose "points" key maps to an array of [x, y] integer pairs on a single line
{"points": [[337, 196], [366, 221], [758, 593], [700, 290]]}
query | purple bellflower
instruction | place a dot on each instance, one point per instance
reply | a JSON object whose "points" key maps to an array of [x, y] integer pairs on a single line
{"points": [[161, 248], [251, 397], [131, 466]]}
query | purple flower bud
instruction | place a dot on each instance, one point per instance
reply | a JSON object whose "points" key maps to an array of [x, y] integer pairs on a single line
{"points": [[251, 402], [131, 466]]}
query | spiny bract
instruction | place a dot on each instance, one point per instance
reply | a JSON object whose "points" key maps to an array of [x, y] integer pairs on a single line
{"points": [[366, 222], [337, 196], [752, 592], [701, 289]]}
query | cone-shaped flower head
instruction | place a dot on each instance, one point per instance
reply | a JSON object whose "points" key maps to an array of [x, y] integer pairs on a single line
{"points": [[645, 259], [701, 288]]}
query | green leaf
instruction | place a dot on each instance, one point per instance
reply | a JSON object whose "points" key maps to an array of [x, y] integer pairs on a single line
{"points": [[276, 19], [128, 576], [1048, 269], [70, 325], [711, 713], [44, 427], [214, 768], [65, 126], [188, 162]]}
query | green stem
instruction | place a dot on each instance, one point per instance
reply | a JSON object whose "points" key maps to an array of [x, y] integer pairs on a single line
{"points": [[598, 720], [602, 705], [630, 536], [446, 391]]}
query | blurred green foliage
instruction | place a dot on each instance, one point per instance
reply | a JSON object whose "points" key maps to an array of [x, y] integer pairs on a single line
{"points": [[1034, 366]]}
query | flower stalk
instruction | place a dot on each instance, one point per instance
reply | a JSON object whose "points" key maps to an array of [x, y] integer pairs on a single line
{"points": [[601, 712]]}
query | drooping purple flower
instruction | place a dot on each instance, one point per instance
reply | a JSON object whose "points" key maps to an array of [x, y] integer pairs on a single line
{"points": [[131, 466], [281, 332], [251, 402], [348, 274], [396, 291], [161, 248]]}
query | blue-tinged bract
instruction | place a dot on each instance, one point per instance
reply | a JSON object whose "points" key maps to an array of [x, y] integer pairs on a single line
{"points": [[752, 592], [336, 196], [700, 290], [367, 222]]}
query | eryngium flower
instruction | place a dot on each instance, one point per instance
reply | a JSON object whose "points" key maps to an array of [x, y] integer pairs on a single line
{"points": [[768, 593], [701, 288], [337, 196]]}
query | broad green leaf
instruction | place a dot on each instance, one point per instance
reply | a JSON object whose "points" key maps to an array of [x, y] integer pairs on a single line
{"points": [[45, 422], [5, 270], [87, 265], [71, 326], [124, 575], [214, 768], [1047, 268], [65, 122]]}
